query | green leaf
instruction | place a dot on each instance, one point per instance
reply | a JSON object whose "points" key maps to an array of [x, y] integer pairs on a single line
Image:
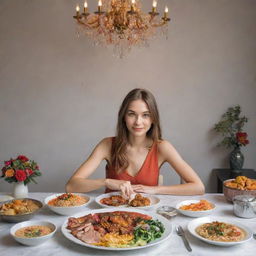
{"points": [[37, 173], [33, 180]]}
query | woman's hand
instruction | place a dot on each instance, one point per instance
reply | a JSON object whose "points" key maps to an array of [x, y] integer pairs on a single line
{"points": [[144, 189], [123, 185]]}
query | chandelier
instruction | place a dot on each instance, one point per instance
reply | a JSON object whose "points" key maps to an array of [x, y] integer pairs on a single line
{"points": [[121, 24]]}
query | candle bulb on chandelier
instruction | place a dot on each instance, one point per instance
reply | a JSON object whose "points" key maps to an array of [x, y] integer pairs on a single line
{"points": [[99, 6], [165, 12], [133, 6], [77, 11], [154, 4], [85, 7]]}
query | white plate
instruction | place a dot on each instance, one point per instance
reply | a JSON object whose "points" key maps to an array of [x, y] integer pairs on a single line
{"points": [[194, 214], [165, 235], [192, 225], [154, 201]]}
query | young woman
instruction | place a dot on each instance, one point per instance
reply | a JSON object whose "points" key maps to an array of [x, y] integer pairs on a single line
{"points": [[136, 154]]}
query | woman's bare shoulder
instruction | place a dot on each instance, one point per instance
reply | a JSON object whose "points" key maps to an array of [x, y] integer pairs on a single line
{"points": [[164, 147], [163, 144], [105, 143]]}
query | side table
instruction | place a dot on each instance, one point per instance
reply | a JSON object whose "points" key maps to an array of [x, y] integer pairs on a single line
{"points": [[225, 174]]}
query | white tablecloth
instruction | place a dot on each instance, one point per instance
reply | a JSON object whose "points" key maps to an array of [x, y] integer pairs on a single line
{"points": [[60, 246]]}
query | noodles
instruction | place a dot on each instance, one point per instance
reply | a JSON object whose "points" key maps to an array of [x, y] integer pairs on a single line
{"points": [[115, 240], [220, 231]]}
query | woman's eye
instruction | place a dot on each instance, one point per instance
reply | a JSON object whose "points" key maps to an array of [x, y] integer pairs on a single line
{"points": [[146, 115], [130, 114]]}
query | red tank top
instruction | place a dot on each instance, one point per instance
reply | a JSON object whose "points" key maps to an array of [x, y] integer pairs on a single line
{"points": [[147, 175]]}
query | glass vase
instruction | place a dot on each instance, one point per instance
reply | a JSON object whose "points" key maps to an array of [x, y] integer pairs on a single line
{"points": [[20, 190], [236, 160]]}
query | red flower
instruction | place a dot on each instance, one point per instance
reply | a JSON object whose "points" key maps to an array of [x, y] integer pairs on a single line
{"points": [[242, 138], [6, 163], [22, 158], [20, 175], [29, 172]]}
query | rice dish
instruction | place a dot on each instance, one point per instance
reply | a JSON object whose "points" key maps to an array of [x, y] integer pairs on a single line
{"points": [[68, 200]]}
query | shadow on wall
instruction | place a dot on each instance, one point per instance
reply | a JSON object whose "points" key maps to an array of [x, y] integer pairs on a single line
{"points": [[219, 153], [220, 157]]}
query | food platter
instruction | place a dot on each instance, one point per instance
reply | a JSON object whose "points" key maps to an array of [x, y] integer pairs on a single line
{"points": [[192, 225], [164, 221], [154, 201]]}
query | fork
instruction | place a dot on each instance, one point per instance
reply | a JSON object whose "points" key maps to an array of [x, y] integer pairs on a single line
{"points": [[181, 233]]}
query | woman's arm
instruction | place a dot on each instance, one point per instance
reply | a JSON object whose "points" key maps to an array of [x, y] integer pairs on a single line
{"points": [[79, 181], [193, 184]]}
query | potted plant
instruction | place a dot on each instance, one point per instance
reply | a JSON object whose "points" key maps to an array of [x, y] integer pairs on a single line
{"points": [[21, 171], [231, 128]]}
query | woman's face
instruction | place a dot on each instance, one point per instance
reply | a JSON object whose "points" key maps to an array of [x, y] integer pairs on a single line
{"points": [[137, 118]]}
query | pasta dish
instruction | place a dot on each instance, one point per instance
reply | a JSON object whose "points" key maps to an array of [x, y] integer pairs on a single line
{"points": [[203, 205], [221, 231]]}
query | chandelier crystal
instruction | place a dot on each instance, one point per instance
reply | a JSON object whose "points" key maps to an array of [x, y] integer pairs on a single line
{"points": [[121, 24]]}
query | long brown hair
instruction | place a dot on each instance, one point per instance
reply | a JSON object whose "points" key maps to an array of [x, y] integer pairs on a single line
{"points": [[118, 157]]}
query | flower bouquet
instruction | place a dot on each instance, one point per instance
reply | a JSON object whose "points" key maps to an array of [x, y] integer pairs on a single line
{"points": [[20, 169], [231, 128]]}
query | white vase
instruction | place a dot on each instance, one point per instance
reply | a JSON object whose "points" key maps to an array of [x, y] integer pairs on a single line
{"points": [[20, 190]]}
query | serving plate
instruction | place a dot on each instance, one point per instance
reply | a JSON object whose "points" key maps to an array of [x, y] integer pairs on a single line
{"points": [[165, 235], [154, 201], [192, 225]]}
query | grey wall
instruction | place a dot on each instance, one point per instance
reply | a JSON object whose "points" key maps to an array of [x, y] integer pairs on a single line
{"points": [[60, 95]]}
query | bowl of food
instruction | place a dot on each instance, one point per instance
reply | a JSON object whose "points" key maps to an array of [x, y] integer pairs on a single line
{"points": [[195, 208], [220, 231], [241, 185], [67, 203], [18, 210], [33, 233], [115, 199]]}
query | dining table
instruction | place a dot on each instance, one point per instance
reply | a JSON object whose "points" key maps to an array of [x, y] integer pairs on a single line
{"points": [[59, 245]]}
